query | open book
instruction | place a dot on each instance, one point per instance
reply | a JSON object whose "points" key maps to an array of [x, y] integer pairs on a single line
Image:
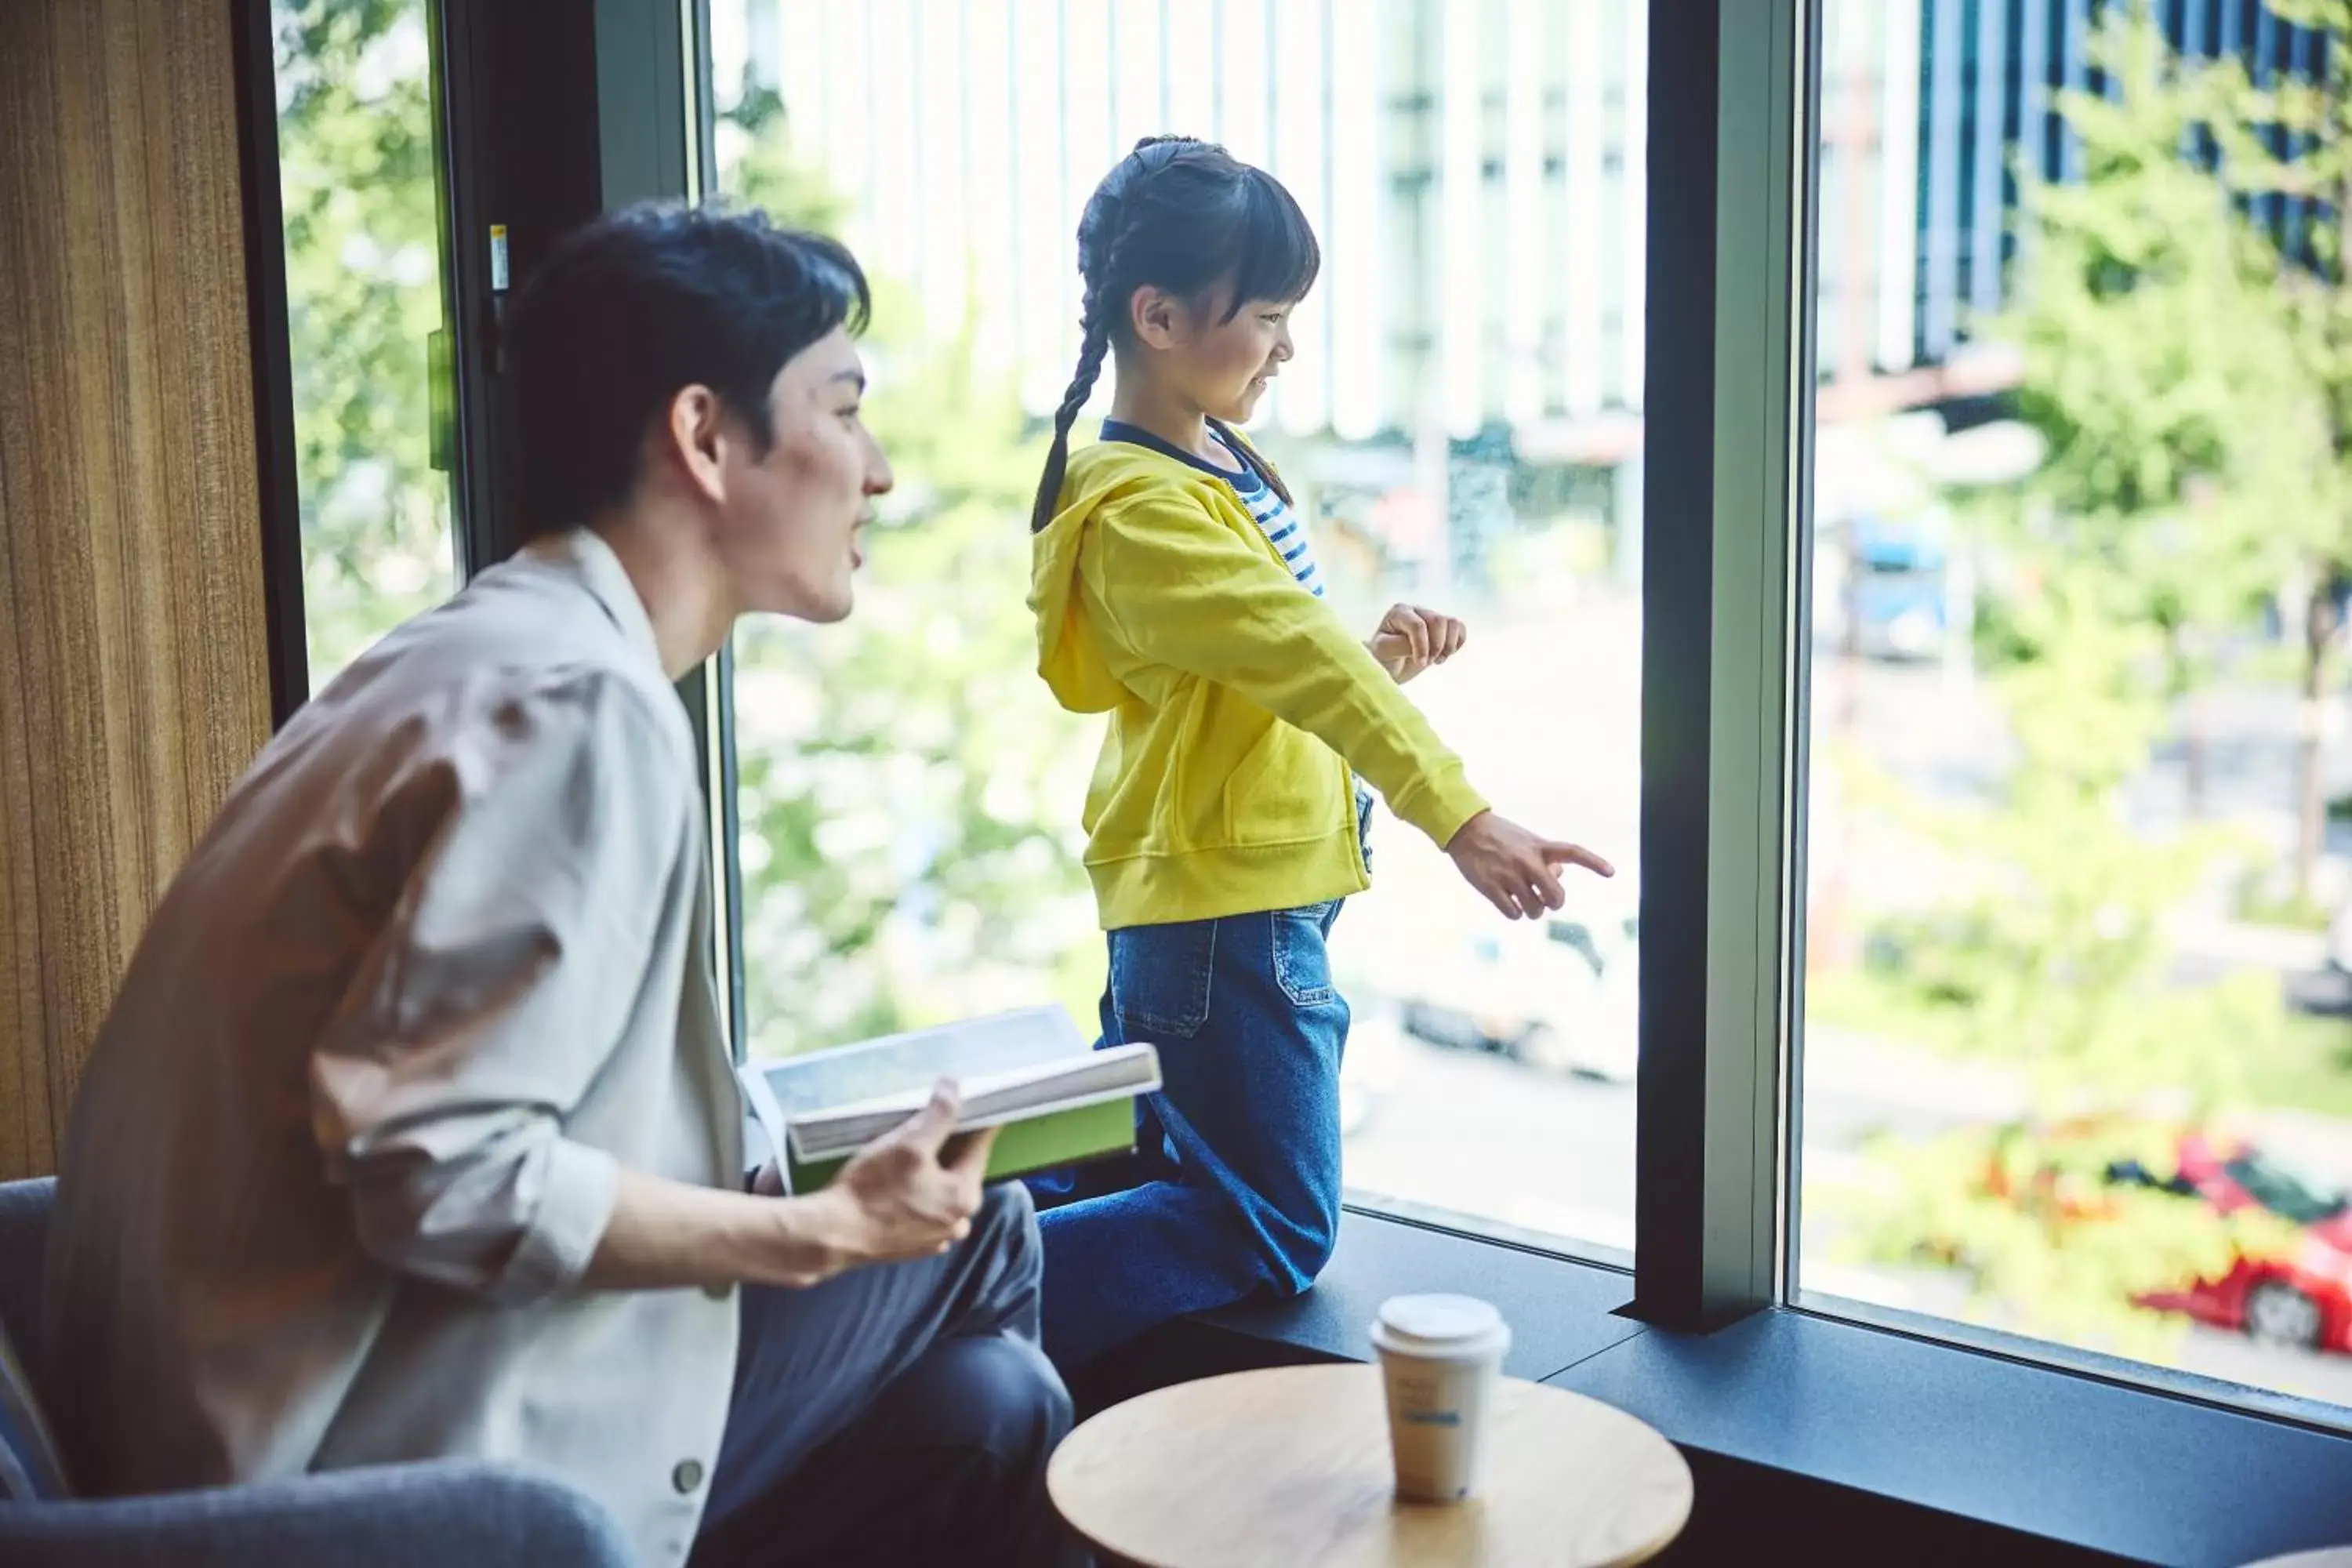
{"points": [[1030, 1072]]}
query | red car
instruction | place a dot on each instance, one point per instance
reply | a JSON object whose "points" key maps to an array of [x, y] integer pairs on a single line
{"points": [[2302, 1297]]}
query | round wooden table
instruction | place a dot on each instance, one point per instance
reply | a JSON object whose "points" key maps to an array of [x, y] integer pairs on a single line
{"points": [[1290, 1466]]}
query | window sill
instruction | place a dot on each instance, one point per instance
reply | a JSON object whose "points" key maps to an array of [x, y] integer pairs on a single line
{"points": [[2047, 1452]]}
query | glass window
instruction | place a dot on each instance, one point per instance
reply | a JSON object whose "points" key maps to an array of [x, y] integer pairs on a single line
{"points": [[2076, 1063], [1461, 424], [365, 311]]}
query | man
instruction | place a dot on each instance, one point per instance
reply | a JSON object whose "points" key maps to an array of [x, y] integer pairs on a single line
{"points": [[413, 1132]]}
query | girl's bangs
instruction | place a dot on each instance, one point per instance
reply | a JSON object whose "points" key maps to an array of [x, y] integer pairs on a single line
{"points": [[1279, 256]]}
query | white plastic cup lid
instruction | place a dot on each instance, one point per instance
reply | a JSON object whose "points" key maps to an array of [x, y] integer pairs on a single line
{"points": [[1438, 1322]]}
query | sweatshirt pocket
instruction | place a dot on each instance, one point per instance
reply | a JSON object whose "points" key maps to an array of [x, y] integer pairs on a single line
{"points": [[1285, 790]]}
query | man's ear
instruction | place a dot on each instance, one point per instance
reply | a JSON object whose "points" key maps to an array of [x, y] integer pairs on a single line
{"points": [[692, 440]]}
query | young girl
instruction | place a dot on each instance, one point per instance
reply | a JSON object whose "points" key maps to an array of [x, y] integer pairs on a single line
{"points": [[1175, 591]]}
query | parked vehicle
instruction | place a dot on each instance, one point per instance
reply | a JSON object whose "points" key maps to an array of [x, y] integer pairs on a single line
{"points": [[1897, 589], [2296, 1293], [2300, 1296], [1559, 995]]}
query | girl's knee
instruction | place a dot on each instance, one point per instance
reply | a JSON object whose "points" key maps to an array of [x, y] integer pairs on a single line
{"points": [[1306, 1243]]}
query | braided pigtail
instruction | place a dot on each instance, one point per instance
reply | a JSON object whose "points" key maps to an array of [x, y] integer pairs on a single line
{"points": [[1093, 350]]}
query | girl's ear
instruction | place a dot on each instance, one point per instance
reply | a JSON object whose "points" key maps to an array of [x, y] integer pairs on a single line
{"points": [[1156, 317]]}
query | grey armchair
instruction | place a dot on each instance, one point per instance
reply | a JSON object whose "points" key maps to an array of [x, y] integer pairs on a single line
{"points": [[436, 1515]]}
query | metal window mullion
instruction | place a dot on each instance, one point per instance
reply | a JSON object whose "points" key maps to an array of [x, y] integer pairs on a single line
{"points": [[1732, 93], [723, 776], [278, 484], [655, 143], [643, 116]]}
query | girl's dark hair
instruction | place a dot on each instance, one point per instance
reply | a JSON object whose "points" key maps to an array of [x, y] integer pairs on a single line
{"points": [[643, 301], [1184, 216]]}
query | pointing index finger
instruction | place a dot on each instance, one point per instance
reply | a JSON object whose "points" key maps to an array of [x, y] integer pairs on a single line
{"points": [[1577, 855]]}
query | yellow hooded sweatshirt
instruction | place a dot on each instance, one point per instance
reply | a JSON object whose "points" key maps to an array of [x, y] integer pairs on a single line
{"points": [[1237, 700]]}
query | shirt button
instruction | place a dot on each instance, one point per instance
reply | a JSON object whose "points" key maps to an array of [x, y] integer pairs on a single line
{"points": [[688, 1476]]}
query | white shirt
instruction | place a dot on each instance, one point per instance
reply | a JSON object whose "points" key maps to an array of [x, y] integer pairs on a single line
{"points": [[351, 1134]]}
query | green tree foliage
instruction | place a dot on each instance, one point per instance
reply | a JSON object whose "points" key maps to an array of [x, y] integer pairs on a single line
{"points": [[363, 297], [2293, 138], [2054, 959], [2161, 370], [2160, 367], [909, 791]]}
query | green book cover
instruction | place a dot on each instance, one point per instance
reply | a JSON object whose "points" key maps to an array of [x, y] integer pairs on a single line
{"points": [[1030, 1072]]}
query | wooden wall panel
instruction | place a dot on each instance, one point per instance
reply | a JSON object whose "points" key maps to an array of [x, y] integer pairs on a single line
{"points": [[133, 668]]}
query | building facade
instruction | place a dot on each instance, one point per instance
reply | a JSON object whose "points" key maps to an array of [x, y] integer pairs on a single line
{"points": [[1475, 169]]}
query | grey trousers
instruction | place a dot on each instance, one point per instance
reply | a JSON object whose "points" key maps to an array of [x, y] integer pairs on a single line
{"points": [[900, 1415]]}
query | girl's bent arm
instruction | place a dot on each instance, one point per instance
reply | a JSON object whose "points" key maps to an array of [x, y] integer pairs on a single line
{"points": [[1182, 589]]}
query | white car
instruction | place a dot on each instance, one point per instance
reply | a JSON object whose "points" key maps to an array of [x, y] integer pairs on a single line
{"points": [[1560, 995]]}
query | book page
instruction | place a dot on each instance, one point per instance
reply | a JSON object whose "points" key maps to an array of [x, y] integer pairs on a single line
{"points": [[1023, 1088], [1067, 1081], [1031, 1040]]}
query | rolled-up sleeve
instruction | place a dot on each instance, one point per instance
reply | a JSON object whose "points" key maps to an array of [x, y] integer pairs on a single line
{"points": [[500, 988]]}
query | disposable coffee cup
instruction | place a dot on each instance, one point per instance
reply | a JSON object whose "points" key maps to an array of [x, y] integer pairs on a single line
{"points": [[1439, 1359]]}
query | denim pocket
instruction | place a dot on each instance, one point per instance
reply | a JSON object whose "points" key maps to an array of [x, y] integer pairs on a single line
{"points": [[1302, 958], [1159, 978]]}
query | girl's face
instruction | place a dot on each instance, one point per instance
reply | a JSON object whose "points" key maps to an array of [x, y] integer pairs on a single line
{"points": [[1220, 366]]}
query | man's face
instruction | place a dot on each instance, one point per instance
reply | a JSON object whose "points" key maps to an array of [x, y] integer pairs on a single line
{"points": [[787, 526]]}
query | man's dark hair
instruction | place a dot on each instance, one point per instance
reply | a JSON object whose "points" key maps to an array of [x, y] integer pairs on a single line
{"points": [[640, 303]]}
